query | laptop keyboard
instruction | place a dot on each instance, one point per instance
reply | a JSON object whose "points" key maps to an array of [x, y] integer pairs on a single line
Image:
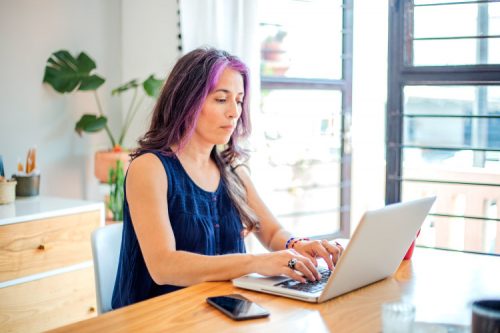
{"points": [[309, 286]]}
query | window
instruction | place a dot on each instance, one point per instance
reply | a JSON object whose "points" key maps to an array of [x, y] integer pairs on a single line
{"points": [[302, 158], [443, 118]]}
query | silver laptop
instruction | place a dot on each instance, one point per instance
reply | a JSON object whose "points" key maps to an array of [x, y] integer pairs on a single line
{"points": [[374, 252]]}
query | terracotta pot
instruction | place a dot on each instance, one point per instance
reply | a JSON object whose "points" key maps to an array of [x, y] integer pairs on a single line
{"points": [[272, 51], [105, 160]]}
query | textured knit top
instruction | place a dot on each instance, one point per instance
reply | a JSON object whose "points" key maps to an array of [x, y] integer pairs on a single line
{"points": [[203, 222]]}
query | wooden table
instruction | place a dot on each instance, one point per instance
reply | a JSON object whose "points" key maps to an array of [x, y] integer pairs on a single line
{"points": [[441, 284]]}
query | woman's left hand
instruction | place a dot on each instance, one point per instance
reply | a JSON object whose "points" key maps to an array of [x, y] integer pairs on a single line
{"points": [[320, 249]]}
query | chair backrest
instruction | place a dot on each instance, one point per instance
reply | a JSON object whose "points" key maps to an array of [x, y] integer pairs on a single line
{"points": [[106, 242]]}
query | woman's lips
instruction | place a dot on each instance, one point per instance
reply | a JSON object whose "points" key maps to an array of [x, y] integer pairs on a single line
{"points": [[228, 128]]}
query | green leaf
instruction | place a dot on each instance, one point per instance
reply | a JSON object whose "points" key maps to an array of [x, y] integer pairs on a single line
{"points": [[125, 87], [66, 73], [91, 83], [85, 63], [90, 123], [152, 86], [58, 82]]}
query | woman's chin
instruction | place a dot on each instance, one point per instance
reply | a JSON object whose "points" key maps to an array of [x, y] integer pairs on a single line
{"points": [[220, 139], [224, 141]]}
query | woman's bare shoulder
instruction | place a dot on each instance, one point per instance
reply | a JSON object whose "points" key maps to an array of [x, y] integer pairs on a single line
{"points": [[145, 166]]}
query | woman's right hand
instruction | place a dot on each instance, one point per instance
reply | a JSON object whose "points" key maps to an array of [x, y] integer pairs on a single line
{"points": [[277, 263]]}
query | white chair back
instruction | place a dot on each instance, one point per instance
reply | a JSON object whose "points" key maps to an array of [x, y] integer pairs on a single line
{"points": [[106, 242]]}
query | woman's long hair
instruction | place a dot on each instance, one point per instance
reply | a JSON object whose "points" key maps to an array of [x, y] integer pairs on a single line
{"points": [[176, 113]]}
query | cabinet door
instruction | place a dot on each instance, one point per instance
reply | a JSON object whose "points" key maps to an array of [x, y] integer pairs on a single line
{"points": [[41, 245], [48, 303]]}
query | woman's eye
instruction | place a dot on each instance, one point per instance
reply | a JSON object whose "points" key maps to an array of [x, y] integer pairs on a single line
{"points": [[220, 100]]}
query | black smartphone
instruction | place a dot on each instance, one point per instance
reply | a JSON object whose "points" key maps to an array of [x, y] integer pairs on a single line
{"points": [[237, 307]]}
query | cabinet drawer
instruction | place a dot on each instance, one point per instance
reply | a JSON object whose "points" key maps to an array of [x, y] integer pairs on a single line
{"points": [[48, 303], [41, 245]]}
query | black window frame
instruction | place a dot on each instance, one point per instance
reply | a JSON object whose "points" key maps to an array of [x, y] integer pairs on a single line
{"points": [[400, 74]]}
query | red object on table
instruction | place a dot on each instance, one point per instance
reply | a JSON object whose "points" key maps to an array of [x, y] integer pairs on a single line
{"points": [[409, 253]]}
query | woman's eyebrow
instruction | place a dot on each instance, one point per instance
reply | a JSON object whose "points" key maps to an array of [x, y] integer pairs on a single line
{"points": [[228, 91]]}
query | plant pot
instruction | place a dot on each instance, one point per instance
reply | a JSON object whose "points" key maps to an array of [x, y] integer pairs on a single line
{"points": [[273, 51], [27, 186], [105, 160]]}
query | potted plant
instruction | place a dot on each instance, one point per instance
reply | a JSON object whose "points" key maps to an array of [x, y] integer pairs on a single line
{"points": [[116, 194], [274, 54], [272, 46], [66, 73]]}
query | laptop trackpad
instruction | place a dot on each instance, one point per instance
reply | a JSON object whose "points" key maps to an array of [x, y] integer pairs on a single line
{"points": [[261, 279]]}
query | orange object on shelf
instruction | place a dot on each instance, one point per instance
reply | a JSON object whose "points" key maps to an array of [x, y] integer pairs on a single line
{"points": [[31, 161]]}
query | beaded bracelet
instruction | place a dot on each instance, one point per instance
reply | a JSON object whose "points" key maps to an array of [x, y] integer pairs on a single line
{"points": [[288, 242], [298, 241]]}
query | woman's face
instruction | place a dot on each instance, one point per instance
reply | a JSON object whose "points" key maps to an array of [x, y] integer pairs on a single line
{"points": [[221, 109]]}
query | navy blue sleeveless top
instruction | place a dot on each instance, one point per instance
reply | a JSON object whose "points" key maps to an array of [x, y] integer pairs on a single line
{"points": [[203, 222]]}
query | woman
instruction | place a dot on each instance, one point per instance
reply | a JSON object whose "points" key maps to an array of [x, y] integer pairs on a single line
{"points": [[189, 205]]}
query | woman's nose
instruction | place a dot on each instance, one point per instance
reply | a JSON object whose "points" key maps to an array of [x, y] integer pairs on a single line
{"points": [[233, 110]]}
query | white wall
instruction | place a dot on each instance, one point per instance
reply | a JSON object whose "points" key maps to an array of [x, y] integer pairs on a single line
{"points": [[368, 106], [32, 114], [149, 45]]}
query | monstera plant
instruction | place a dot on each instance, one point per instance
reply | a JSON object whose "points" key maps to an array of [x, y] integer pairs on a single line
{"points": [[66, 74]]}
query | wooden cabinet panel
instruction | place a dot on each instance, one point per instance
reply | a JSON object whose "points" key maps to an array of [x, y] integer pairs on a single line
{"points": [[41, 245], [48, 303]]}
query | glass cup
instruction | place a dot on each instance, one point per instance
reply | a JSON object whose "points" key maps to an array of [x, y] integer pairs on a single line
{"points": [[398, 317]]}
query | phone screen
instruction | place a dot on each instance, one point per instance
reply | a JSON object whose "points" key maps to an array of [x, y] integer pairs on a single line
{"points": [[238, 307]]}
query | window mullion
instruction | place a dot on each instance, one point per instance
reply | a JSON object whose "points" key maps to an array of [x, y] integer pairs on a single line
{"points": [[455, 75], [394, 121]]}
